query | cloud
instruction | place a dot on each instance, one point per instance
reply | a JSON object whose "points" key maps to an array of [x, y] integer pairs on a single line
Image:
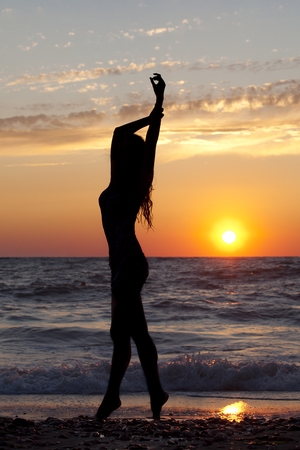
{"points": [[44, 121], [34, 44], [130, 36], [173, 64], [284, 93], [50, 106], [269, 97], [54, 134], [88, 87], [101, 101], [197, 20], [134, 95], [135, 110], [78, 75], [49, 88], [159, 31], [25, 49], [48, 141], [258, 119], [253, 66], [86, 117], [174, 83]]}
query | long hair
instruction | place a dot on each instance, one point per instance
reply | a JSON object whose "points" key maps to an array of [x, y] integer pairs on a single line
{"points": [[135, 159], [145, 213]]}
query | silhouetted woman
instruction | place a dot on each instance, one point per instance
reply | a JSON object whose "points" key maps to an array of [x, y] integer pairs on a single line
{"points": [[127, 196]]}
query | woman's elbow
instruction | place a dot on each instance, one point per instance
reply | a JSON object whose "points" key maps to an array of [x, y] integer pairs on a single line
{"points": [[117, 130]]}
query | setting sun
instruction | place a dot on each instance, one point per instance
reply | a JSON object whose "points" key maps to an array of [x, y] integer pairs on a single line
{"points": [[229, 237]]}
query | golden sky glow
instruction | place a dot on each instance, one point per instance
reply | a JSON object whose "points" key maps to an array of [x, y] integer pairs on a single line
{"points": [[228, 153]]}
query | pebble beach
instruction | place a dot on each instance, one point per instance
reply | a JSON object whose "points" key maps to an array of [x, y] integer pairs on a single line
{"points": [[86, 432]]}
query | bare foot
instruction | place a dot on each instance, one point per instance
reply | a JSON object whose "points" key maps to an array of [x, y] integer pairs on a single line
{"points": [[157, 403], [107, 406]]}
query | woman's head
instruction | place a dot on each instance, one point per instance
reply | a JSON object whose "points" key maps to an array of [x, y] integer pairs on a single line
{"points": [[131, 155]]}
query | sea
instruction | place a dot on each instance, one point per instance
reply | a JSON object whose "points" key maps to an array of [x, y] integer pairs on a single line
{"points": [[226, 329]]}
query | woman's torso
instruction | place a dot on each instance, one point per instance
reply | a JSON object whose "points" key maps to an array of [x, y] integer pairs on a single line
{"points": [[128, 263]]}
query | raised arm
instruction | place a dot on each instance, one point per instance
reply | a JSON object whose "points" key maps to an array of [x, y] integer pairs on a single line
{"points": [[123, 134], [153, 130]]}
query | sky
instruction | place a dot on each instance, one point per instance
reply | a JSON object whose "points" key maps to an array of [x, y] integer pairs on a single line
{"points": [[228, 154]]}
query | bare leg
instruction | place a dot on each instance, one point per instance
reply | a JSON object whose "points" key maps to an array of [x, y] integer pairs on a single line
{"points": [[148, 357], [120, 360], [128, 319]]}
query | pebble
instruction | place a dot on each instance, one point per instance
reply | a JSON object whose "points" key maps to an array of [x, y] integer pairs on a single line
{"points": [[220, 437], [124, 437]]}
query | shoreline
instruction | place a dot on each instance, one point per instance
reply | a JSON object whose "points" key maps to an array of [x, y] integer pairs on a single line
{"points": [[187, 406]]}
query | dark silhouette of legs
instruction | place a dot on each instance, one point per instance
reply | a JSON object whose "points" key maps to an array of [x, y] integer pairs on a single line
{"points": [[128, 320], [148, 356], [120, 360]]}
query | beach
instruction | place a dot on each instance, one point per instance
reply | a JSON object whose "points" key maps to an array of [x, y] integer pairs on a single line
{"points": [[86, 432], [186, 423]]}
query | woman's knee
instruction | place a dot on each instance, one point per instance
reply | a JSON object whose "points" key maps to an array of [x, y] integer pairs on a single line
{"points": [[119, 334], [141, 336]]}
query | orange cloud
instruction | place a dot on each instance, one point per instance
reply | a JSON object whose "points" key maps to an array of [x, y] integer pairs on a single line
{"points": [[259, 120], [81, 118]]}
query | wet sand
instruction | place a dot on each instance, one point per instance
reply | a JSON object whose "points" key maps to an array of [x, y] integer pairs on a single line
{"points": [[136, 405], [86, 432]]}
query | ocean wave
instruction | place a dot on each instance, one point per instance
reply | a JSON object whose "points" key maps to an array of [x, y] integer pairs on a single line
{"points": [[187, 374], [43, 289]]}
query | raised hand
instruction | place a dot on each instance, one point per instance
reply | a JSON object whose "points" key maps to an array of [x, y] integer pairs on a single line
{"points": [[159, 86]]}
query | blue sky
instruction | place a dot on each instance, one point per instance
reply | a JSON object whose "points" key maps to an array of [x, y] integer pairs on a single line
{"points": [[196, 43]]}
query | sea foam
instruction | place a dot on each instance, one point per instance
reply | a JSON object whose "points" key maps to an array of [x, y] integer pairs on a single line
{"points": [[188, 374]]}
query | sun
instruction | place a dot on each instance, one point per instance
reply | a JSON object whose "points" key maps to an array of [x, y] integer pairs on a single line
{"points": [[229, 237]]}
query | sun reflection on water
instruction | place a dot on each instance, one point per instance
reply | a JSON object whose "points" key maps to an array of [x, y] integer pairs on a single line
{"points": [[235, 411]]}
